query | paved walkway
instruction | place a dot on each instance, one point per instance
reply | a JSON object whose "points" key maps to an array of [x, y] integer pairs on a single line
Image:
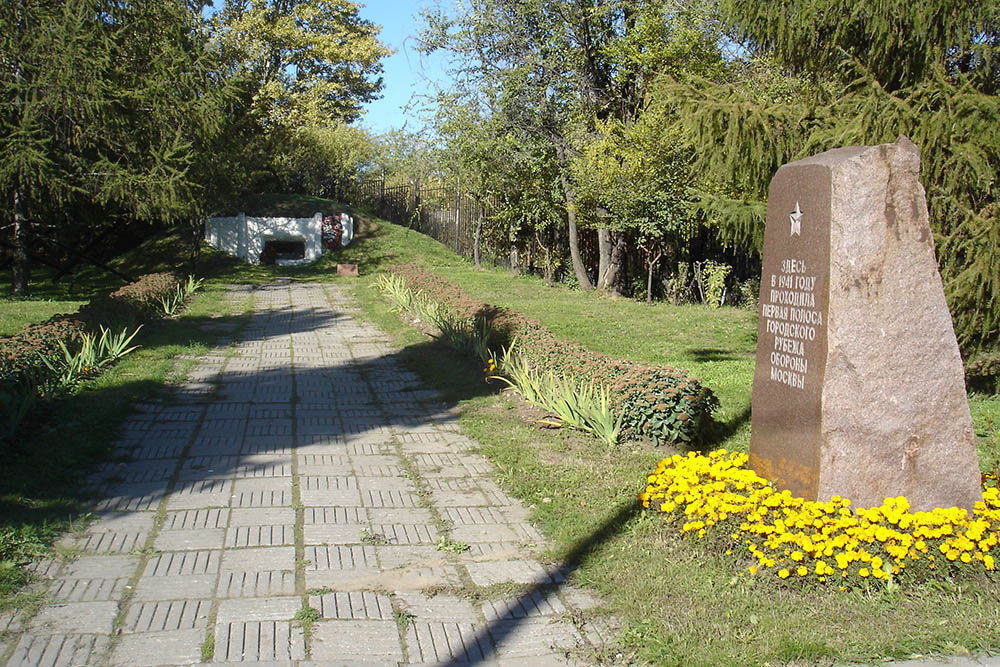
{"points": [[301, 499]]}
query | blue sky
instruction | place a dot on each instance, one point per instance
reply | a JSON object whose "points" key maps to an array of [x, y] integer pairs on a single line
{"points": [[406, 71]]}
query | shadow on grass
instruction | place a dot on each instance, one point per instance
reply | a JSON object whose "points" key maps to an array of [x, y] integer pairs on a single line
{"points": [[702, 355], [720, 432]]}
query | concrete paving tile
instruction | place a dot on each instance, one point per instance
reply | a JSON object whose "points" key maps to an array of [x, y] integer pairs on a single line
{"points": [[259, 560], [176, 587], [10, 621], [215, 445], [259, 641], [101, 567], [186, 540], [58, 650], [261, 536], [184, 563], [197, 519], [387, 483], [324, 464], [333, 534], [262, 492], [407, 533], [339, 491], [202, 493], [158, 470], [491, 551], [138, 497], [534, 639], [178, 647], [348, 605], [263, 583], [166, 615], [446, 642], [338, 640], [335, 515], [266, 444], [448, 499], [487, 573], [259, 609], [532, 604], [87, 589], [340, 557], [208, 467], [396, 556], [75, 618], [444, 608], [487, 532], [264, 465], [378, 498], [384, 515], [261, 516]]}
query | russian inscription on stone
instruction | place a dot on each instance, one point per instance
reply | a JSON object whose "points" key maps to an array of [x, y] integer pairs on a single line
{"points": [[859, 389]]}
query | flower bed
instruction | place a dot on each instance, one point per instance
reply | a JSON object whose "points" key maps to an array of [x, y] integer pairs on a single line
{"points": [[20, 354], [658, 402], [717, 496]]}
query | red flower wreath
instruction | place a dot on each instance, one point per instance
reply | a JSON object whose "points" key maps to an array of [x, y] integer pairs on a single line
{"points": [[332, 231]]}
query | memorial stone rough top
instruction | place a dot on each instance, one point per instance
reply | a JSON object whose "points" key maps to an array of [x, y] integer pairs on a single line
{"points": [[859, 389]]}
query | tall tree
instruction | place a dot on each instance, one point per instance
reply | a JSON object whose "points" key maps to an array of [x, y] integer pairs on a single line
{"points": [[101, 103], [863, 73], [306, 61]]}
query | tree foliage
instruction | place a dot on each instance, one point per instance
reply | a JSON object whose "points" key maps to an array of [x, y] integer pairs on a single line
{"points": [[864, 73], [116, 111]]}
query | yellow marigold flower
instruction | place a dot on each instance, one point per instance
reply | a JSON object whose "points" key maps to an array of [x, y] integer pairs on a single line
{"points": [[783, 573], [988, 562], [863, 572]]}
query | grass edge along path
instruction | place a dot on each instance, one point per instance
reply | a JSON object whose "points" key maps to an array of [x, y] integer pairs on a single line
{"points": [[681, 602], [41, 497]]}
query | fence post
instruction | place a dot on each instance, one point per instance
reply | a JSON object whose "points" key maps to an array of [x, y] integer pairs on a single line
{"points": [[381, 195], [458, 208]]}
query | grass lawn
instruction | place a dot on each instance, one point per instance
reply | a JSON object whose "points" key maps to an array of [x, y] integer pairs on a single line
{"points": [[680, 602], [16, 313]]}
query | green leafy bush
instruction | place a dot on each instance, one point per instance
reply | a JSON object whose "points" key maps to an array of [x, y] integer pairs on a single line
{"points": [[658, 402], [21, 355]]}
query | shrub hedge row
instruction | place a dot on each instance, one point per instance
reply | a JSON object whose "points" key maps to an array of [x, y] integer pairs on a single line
{"points": [[20, 354], [658, 402]]}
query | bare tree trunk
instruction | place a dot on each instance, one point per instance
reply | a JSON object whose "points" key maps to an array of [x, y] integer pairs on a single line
{"points": [[515, 263], [617, 245], [21, 268], [574, 241], [477, 240], [651, 262], [604, 256]]}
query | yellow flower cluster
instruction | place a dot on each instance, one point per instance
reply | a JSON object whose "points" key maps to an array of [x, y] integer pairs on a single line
{"points": [[824, 541]]}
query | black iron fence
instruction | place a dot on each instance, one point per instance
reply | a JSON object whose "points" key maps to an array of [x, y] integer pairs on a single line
{"points": [[445, 213]]}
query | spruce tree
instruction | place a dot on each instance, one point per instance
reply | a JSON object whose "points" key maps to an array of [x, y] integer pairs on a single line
{"points": [[818, 74]]}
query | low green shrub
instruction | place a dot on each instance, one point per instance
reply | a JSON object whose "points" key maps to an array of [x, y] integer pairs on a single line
{"points": [[982, 372], [21, 355], [582, 406], [44, 358], [658, 402]]}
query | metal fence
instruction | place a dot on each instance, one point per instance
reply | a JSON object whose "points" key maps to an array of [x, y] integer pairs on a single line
{"points": [[444, 213]]}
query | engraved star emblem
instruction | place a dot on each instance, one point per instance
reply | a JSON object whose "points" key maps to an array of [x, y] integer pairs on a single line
{"points": [[796, 219]]}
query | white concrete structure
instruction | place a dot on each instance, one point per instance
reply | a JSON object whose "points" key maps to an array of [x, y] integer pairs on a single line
{"points": [[245, 237]]}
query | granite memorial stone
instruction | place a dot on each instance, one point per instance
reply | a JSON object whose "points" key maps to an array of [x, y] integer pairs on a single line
{"points": [[859, 389]]}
